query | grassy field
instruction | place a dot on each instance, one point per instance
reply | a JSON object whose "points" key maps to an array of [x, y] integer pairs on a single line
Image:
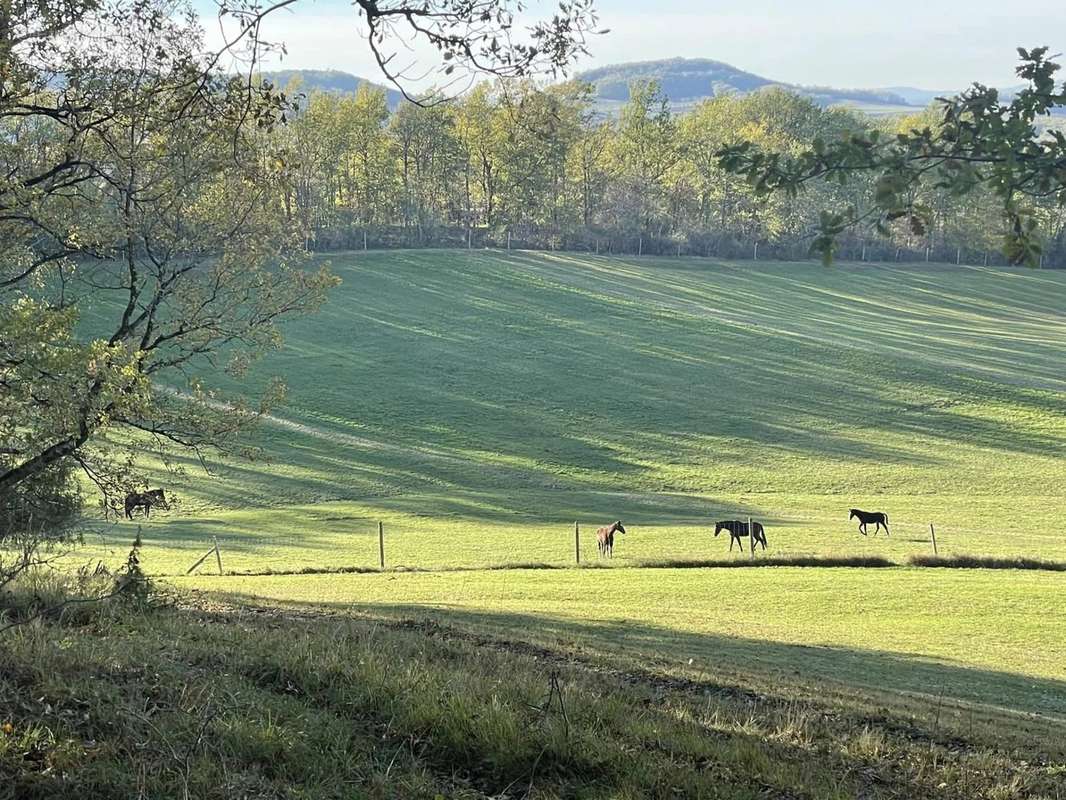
{"points": [[480, 403], [985, 637], [210, 700]]}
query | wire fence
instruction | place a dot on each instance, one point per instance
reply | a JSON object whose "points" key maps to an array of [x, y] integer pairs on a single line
{"points": [[604, 241]]}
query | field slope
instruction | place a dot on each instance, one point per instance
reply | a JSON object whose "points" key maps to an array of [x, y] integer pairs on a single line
{"points": [[479, 403]]}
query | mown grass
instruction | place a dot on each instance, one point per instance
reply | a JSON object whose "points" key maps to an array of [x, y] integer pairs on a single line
{"points": [[215, 701], [480, 403], [979, 636]]}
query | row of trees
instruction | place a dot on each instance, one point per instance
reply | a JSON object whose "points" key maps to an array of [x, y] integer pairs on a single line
{"points": [[539, 167]]}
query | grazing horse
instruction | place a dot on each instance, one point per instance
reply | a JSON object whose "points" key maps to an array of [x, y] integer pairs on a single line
{"points": [[865, 517], [738, 529], [605, 539], [145, 500]]}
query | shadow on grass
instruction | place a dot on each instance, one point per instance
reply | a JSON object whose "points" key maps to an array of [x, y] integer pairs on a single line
{"points": [[767, 663]]}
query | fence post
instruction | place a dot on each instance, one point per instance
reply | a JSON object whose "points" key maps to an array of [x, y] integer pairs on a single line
{"points": [[364, 240], [597, 247], [932, 535], [640, 245], [751, 540], [864, 251], [508, 241], [755, 256], [958, 256], [218, 556], [381, 544], [577, 543], [679, 249], [897, 253], [927, 252], [468, 238]]}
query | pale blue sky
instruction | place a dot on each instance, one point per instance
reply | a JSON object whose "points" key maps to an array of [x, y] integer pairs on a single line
{"points": [[936, 44]]}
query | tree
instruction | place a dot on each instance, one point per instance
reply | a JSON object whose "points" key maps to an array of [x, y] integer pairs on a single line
{"points": [[978, 143], [643, 152], [141, 213]]}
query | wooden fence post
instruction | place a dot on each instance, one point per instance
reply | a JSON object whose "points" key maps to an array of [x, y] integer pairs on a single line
{"points": [[508, 241], [381, 544], [640, 245], [932, 535], [218, 556], [864, 251], [755, 255], [751, 540], [199, 561], [958, 256], [577, 543], [364, 240]]}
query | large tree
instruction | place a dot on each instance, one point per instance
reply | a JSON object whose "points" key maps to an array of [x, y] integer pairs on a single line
{"points": [[144, 243]]}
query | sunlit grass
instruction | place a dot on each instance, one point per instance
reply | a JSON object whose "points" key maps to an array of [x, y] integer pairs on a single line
{"points": [[480, 403]]}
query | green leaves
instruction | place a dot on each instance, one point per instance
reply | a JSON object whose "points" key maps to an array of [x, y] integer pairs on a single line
{"points": [[979, 146]]}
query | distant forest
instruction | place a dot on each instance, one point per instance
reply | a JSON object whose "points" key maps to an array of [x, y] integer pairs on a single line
{"points": [[526, 166]]}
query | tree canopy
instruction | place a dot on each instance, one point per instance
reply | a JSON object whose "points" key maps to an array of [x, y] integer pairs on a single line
{"points": [[978, 142]]}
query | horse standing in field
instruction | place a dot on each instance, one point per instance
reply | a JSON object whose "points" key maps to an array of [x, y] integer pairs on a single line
{"points": [[145, 500], [866, 517], [738, 529], [605, 539]]}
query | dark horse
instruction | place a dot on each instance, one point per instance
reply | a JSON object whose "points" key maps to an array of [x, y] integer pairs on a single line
{"points": [[605, 538], [145, 500], [738, 529], [866, 517]]}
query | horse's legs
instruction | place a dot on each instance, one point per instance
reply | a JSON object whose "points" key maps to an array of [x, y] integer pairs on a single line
{"points": [[862, 528]]}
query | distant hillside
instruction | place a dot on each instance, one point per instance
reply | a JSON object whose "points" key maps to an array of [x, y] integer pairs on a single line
{"points": [[328, 80], [688, 80]]}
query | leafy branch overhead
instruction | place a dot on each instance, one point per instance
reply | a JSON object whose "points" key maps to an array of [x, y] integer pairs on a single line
{"points": [[472, 37], [978, 141]]}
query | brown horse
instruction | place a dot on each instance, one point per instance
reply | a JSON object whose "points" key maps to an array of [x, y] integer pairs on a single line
{"points": [[145, 500], [737, 529], [605, 538]]}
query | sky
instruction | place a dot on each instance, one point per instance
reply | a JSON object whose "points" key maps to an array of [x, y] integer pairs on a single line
{"points": [[931, 44]]}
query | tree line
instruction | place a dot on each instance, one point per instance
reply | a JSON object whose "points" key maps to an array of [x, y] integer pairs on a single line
{"points": [[517, 164]]}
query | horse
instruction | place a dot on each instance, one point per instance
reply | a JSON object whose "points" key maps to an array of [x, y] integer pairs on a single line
{"points": [[865, 517], [145, 500], [605, 538], [738, 529]]}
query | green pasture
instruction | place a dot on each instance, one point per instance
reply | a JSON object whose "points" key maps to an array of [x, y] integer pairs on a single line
{"points": [[479, 403], [978, 636]]}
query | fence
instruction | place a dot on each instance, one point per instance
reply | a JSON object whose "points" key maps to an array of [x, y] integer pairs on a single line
{"points": [[702, 244], [373, 547]]}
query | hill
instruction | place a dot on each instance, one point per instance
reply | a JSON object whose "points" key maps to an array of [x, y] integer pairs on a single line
{"points": [[328, 80], [688, 80]]}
